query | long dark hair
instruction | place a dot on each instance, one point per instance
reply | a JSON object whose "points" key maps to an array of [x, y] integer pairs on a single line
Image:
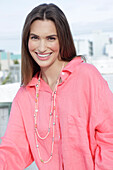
{"points": [[67, 49]]}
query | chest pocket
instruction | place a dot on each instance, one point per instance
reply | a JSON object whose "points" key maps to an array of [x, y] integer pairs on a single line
{"points": [[77, 133], [75, 126]]}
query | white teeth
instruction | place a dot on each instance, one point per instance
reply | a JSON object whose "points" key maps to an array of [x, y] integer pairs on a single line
{"points": [[41, 55]]}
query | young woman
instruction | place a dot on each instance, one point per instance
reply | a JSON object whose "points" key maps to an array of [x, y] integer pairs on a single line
{"points": [[62, 115]]}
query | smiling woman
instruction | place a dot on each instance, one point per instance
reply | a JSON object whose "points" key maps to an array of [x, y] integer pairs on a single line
{"points": [[44, 44], [58, 36], [62, 115]]}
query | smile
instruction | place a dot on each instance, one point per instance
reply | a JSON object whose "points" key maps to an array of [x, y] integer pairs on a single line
{"points": [[43, 55]]}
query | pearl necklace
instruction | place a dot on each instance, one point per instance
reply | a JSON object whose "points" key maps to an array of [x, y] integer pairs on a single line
{"points": [[52, 114]]}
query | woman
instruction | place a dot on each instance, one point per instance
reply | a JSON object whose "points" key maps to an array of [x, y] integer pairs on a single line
{"points": [[62, 115]]}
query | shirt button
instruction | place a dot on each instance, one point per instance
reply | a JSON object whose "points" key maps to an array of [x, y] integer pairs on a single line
{"points": [[56, 116], [63, 73]]}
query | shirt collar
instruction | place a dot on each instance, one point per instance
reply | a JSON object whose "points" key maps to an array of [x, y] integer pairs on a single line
{"points": [[34, 80], [69, 68]]}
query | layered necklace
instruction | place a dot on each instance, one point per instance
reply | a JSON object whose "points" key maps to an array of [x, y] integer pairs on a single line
{"points": [[52, 114]]}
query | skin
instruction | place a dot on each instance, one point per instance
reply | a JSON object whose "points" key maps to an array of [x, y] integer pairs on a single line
{"points": [[44, 47]]}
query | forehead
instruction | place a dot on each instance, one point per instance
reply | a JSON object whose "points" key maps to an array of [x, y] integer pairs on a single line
{"points": [[43, 27]]}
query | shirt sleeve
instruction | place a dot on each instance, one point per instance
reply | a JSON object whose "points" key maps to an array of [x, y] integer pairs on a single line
{"points": [[15, 153], [104, 129]]}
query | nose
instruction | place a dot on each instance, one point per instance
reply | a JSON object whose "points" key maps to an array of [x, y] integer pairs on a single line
{"points": [[42, 46]]}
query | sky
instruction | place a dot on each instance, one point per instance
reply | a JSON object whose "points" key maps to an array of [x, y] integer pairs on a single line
{"points": [[82, 15]]}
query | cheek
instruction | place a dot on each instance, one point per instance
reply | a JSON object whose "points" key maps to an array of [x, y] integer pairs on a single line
{"points": [[30, 45], [55, 47]]}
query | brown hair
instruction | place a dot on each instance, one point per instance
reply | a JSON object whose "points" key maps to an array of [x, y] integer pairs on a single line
{"points": [[67, 49]]}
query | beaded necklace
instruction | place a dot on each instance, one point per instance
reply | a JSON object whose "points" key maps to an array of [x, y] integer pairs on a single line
{"points": [[51, 115]]}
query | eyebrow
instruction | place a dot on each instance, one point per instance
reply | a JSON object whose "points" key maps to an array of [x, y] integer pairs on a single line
{"points": [[52, 35]]}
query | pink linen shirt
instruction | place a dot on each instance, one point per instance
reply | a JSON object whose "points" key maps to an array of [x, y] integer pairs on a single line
{"points": [[84, 123]]}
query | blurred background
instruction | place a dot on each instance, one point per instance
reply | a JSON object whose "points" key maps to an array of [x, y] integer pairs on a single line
{"points": [[91, 23]]}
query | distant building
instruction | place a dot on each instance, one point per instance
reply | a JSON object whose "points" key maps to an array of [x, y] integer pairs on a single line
{"points": [[84, 47], [109, 50], [96, 45], [7, 59], [9, 66], [100, 39], [15, 73]]}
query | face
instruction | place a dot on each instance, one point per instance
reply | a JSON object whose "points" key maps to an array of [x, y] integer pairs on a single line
{"points": [[43, 43]]}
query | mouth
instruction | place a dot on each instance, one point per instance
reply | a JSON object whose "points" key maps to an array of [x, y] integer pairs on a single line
{"points": [[43, 55]]}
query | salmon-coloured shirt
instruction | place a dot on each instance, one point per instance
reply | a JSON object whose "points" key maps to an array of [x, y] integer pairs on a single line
{"points": [[84, 123]]}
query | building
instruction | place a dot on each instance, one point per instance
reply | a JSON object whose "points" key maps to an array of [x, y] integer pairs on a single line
{"points": [[7, 59], [109, 48], [96, 45], [9, 67], [84, 47], [100, 39]]}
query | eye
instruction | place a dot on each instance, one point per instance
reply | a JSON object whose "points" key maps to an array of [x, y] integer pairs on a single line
{"points": [[50, 38], [35, 37]]}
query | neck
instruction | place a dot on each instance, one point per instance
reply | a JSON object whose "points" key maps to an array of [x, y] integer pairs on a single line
{"points": [[50, 75]]}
